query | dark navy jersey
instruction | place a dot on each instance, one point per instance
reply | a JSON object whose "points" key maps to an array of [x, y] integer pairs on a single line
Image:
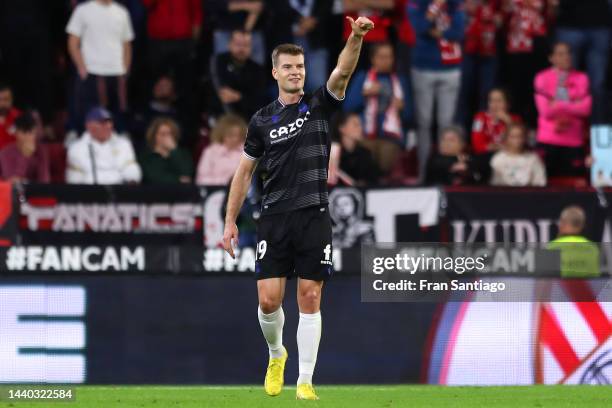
{"points": [[292, 144]]}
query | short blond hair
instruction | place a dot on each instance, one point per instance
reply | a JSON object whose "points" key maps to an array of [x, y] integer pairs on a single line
{"points": [[226, 122], [573, 216]]}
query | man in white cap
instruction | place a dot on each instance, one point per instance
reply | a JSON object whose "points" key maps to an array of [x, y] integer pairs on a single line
{"points": [[100, 156]]}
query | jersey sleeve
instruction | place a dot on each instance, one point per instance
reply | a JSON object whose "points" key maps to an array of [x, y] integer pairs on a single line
{"points": [[330, 102], [254, 144]]}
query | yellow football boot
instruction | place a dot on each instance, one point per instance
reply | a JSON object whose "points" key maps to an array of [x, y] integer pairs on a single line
{"points": [[275, 376], [305, 392]]}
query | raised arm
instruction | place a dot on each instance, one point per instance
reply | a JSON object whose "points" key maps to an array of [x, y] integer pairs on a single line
{"points": [[347, 61], [238, 191]]}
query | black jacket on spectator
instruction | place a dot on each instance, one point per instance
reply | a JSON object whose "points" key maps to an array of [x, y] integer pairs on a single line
{"points": [[223, 19], [283, 16], [30, 34], [438, 171], [359, 165], [248, 79]]}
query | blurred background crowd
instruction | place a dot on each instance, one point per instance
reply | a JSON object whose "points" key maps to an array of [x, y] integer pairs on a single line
{"points": [[450, 92]]}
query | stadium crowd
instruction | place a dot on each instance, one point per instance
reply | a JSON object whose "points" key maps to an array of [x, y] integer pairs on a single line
{"points": [[450, 92]]}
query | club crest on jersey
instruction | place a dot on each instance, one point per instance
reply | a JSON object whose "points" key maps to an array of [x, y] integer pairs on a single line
{"points": [[327, 253], [291, 129]]}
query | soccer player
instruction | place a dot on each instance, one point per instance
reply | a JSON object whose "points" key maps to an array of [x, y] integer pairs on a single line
{"points": [[290, 139]]}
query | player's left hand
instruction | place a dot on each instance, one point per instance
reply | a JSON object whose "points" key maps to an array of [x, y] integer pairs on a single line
{"points": [[230, 238], [361, 26]]}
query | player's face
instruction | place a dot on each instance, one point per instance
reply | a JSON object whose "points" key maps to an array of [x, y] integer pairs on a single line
{"points": [[290, 73]]}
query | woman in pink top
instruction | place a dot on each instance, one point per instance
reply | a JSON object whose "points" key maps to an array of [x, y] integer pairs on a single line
{"points": [[564, 106], [220, 160]]}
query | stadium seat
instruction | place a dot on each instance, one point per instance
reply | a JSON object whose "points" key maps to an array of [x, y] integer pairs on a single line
{"points": [[405, 170], [57, 161], [567, 181]]}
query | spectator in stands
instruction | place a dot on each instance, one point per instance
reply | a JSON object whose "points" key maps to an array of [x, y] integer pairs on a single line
{"points": [[173, 26], [405, 37], [8, 114], [514, 165], [478, 71], [100, 156], [564, 105], [355, 160], [380, 95], [162, 104], [39, 129], [436, 61], [526, 46], [572, 222], [451, 165], [489, 127], [163, 161], [99, 42], [28, 37], [580, 257], [239, 81], [24, 160], [244, 15], [164, 97], [220, 160], [310, 31], [585, 27]]}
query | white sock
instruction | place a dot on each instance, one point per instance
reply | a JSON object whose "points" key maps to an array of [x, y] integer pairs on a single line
{"points": [[272, 329], [308, 336]]}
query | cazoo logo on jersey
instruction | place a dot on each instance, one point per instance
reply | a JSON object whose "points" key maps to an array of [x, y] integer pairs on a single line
{"points": [[113, 217], [290, 129]]}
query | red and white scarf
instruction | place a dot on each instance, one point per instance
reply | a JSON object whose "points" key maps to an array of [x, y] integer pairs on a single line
{"points": [[392, 124], [450, 51], [525, 22]]}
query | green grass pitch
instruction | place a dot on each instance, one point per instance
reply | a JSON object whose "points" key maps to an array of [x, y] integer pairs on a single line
{"points": [[353, 396]]}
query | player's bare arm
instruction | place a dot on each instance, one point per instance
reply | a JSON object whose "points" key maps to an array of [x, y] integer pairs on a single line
{"points": [[238, 191], [347, 61]]}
